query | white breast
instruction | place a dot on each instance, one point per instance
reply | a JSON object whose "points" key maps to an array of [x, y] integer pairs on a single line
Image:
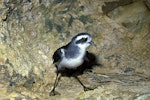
{"points": [[73, 62]]}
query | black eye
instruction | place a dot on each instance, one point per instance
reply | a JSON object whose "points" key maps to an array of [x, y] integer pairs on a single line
{"points": [[84, 39]]}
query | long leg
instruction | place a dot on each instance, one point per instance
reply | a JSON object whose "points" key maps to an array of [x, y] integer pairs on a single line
{"points": [[84, 87], [53, 92]]}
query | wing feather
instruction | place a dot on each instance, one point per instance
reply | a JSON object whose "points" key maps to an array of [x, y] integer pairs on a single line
{"points": [[57, 56]]}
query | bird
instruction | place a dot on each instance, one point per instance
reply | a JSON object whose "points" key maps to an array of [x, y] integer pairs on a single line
{"points": [[71, 56]]}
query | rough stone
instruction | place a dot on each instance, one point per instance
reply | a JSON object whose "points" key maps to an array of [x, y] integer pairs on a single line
{"points": [[31, 30]]}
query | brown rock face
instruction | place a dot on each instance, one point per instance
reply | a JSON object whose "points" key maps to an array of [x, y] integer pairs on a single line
{"points": [[31, 30]]}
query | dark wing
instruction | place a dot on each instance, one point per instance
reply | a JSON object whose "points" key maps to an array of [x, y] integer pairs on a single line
{"points": [[57, 55]]}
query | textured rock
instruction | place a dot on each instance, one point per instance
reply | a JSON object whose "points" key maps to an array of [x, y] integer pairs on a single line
{"points": [[30, 31]]}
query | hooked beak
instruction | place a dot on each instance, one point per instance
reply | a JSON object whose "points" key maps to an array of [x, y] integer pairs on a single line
{"points": [[92, 43]]}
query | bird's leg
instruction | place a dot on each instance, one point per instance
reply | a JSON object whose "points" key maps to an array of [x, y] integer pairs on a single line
{"points": [[84, 87], [53, 92]]}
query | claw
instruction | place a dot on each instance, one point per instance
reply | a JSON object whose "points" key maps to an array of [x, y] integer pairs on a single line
{"points": [[53, 93]]}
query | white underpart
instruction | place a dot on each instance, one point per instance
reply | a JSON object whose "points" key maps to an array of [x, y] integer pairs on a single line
{"points": [[71, 63]]}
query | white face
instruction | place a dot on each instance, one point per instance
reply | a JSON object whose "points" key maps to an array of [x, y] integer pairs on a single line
{"points": [[83, 41]]}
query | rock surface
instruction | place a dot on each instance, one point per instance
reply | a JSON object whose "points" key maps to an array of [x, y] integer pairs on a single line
{"points": [[30, 31]]}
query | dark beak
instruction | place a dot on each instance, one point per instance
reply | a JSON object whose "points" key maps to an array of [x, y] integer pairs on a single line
{"points": [[92, 43]]}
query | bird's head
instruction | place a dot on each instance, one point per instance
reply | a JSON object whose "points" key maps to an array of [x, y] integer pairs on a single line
{"points": [[82, 40]]}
